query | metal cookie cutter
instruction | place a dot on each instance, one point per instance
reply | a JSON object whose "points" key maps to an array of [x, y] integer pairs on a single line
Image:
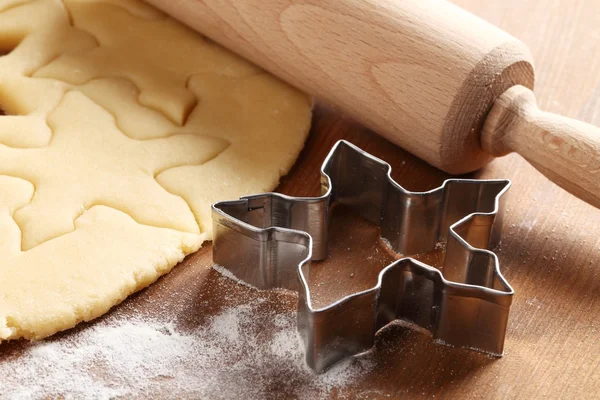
{"points": [[268, 240]]}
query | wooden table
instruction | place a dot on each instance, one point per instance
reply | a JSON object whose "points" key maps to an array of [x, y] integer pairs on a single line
{"points": [[550, 251]]}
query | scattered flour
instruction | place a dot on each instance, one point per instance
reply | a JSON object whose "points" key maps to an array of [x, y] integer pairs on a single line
{"points": [[232, 355], [228, 274]]}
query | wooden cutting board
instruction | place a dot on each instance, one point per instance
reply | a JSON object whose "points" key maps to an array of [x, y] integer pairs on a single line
{"points": [[550, 253]]}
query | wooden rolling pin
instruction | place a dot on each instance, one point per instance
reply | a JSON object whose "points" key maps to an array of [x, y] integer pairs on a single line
{"points": [[436, 80]]}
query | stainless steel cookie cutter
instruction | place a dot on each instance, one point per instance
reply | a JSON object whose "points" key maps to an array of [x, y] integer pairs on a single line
{"points": [[268, 240]]}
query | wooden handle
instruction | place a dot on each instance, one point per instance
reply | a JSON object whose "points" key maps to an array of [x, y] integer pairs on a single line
{"points": [[565, 150]]}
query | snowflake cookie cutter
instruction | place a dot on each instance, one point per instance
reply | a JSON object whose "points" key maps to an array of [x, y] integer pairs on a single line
{"points": [[268, 241]]}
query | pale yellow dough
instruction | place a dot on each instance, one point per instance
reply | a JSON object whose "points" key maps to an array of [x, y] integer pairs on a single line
{"points": [[122, 127]]}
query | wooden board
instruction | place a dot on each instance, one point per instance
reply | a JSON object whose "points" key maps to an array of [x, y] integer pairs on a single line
{"points": [[550, 251]]}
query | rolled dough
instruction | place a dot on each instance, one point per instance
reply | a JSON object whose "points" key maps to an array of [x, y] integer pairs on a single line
{"points": [[122, 127]]}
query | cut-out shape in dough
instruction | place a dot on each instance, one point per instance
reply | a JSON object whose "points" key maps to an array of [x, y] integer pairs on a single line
{"points": [[246, 112], [154, 66], [97, 164], [106, 182], [138, 8], [42, 31], [132, 118], [15, 193], [51, 287]]}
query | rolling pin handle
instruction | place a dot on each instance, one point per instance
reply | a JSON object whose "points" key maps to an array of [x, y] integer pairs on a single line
{"points": [[565, 150]]}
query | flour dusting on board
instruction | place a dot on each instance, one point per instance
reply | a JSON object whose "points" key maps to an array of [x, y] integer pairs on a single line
{"points": [[230, 356]]}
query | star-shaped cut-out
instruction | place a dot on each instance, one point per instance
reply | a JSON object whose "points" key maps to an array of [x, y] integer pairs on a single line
{"points": [[90, 162]]}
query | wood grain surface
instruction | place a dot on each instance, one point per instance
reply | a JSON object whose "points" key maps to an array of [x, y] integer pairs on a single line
{"points": [[550, 250], [426, 75], [565, 150], [425, 69]]}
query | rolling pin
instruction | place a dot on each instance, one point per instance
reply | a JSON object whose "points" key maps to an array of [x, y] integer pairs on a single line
{"points": [[436, 80]]}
